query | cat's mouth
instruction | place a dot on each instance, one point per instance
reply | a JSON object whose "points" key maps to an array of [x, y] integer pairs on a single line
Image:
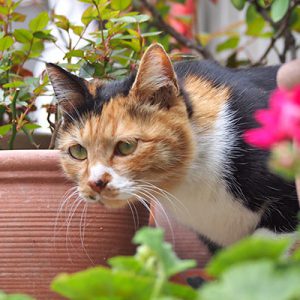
{"points": [[115, 201]]}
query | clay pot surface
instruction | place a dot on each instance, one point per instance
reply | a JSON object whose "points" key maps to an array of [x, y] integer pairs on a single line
{"points": [[40, 237]]}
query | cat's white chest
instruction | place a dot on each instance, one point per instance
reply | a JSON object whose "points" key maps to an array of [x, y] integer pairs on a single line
{"points": [[209, 208], [211, 211]]}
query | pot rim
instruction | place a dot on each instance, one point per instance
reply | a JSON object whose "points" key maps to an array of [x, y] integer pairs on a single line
{"points": [[15, 162]]}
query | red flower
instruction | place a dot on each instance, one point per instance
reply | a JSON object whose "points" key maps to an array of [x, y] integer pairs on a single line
{"points": [[280, 122]]}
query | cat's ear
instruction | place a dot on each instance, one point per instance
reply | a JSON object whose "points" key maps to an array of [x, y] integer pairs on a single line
{"points": [[156, 76], [70, 90]]}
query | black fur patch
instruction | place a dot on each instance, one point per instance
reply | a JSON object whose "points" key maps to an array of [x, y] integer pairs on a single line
{"points": [[212, 246]]}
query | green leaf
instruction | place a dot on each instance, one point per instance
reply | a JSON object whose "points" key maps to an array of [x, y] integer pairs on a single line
{"points": [[23, 35], [133, 44], [153, 242], [77, 29], [250, 249], [31, 126], [44, 35], [260, 280], [295, 19], [4, 10], [74, 53], [120, 4], [87, 70], [127, 263], [131, 19], [141, 18], [153, 33], [255, 22], [231, 43], [13, 84], [62, 22], [278, 9], [296, 255], [238, 4], [124, 19], [4, 129], [4, 296], [36, 48], [119, 73], [89, 15], [39, 22], [5, 43], [251, 14], [102, 284]]}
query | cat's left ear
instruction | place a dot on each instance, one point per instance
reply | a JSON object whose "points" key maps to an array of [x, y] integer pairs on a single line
{"points": [[156, 77], [70, 90]]}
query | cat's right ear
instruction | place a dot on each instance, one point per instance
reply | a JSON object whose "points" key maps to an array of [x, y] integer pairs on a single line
{"points": [[70, 90], [156, 77]]}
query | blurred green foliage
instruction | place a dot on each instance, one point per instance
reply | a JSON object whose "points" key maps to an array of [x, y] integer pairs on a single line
{"points": [[110, 50], [255, 268]]}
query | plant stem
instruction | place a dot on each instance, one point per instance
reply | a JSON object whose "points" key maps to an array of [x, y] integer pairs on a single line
{"points": [[161, 279], [101, 23], [14, 121], [54, 134]]}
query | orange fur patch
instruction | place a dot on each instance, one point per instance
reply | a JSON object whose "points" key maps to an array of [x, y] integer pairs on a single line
{"points": [[93, 86], [207, 100]]}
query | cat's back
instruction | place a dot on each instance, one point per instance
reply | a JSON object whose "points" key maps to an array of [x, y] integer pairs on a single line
{"points": [[263, 78], [210, 87]]}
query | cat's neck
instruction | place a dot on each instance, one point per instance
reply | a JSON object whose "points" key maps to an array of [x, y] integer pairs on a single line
{"points": [[213, 147], [206, 204]]}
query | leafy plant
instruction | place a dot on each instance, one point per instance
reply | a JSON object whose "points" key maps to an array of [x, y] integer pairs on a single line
{"points": [[270, 20], [111, 38], [109, 51], [255, 268], [4, 296], [144, 276], [18, 87]]}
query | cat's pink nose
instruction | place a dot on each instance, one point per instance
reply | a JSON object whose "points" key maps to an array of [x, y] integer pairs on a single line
{"points": [[98, 185]]}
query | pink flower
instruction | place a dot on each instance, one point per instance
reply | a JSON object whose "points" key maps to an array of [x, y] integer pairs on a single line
{"points": [[280, 122], [180, 17]]}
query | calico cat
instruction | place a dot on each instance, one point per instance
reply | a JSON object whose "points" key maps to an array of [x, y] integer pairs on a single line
{"points": [[175, 134]]}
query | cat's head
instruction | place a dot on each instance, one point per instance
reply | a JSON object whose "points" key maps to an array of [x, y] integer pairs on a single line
{"points": [[121, 139]]}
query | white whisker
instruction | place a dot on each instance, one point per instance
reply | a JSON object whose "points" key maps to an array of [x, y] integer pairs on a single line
{"points": [[82, 226]]}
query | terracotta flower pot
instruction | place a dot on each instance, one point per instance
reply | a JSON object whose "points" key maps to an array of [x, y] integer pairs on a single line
{"points": [[41, 236]]}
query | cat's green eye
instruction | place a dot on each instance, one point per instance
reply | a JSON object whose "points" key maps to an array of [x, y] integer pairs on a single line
{"points": [[78, 152], [125, 148]]}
